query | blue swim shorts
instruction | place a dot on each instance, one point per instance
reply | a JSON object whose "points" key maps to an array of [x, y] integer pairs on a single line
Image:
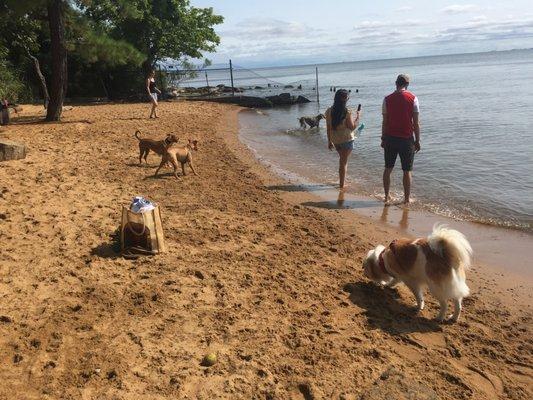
{"points": [[345, 146]]}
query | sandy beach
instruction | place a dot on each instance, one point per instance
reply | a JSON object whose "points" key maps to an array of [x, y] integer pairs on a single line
{"points": [[254, 273]]}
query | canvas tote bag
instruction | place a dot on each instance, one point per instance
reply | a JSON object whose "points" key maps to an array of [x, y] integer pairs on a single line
{"points": [[142, 233]]}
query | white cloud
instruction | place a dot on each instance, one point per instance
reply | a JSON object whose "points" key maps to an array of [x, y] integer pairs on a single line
{"points": [[266, 28], [376, 25], [404, 9], [268, 41], [459, 9]]}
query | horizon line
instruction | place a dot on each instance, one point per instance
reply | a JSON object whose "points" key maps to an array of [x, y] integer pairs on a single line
{"points": [[374, 59]]}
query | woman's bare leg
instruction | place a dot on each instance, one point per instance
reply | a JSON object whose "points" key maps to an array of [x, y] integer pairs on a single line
{"points": [[343, 166], [153, 112]]}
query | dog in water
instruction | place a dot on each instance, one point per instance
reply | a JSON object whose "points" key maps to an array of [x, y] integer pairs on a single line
{"points": [[179, 153], [438, 262], [313, 122], [157, 146]]}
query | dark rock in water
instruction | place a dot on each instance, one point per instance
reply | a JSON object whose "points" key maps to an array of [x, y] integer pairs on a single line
{"points": [[285, 96], [243, 101], [227, 89], [281, 99], [287, 99], [288, 87], [258, 87], [302, 99]]}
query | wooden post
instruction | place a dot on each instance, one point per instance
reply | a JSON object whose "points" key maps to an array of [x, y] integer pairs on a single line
{"points": [[231, 75], [317, 95], [206, 79]]}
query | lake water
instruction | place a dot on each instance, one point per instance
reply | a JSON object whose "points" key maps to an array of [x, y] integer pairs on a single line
{"points": [[476, 113]]}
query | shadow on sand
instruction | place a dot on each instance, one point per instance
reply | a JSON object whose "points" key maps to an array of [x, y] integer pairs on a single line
{"points": [[298, 188], [106, 250], [110, 249], [28, 120], [340, 205], [385, 311], [162, 175], [143, 165]]}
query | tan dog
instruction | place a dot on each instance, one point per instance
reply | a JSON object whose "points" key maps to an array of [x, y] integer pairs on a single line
{"points": [[179, 153], [438, 262], [157, 146]]}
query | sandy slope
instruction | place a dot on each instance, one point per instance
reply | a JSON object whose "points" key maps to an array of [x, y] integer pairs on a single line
{"points": [[273, 287]]}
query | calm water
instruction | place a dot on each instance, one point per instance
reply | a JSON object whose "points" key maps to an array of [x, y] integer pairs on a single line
{"points": [[476, 115]]}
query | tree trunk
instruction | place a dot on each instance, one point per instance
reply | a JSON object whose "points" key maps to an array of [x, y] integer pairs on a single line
{"points": [[40, 75], [58, 87], [103, 85]]}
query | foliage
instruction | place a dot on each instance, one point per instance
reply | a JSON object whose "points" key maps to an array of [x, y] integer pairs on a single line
{"points": [[107, 41], [10, 85], [158, 28]]}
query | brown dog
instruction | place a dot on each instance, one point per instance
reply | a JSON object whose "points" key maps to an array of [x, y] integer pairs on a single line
{"points": [[179, 153], [157, 146]]}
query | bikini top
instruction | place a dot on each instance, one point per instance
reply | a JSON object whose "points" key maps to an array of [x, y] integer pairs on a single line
{"points": [[152, 85]]}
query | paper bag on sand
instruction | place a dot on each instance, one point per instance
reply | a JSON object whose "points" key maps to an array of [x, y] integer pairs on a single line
{"points": [[142, 233]]}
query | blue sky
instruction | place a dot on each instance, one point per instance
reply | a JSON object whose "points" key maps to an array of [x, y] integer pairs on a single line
{"points": [[287, 32]]}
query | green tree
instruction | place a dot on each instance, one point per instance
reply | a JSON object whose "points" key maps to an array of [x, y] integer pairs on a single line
{"points": [[10, 85], [98, 36], [68, 31], [158, 28]]}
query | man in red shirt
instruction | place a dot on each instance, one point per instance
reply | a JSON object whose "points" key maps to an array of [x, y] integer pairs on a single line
{"points": [[400, 121]]}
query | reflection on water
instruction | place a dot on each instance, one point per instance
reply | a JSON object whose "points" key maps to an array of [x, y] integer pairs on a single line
{"points": [[403, 223], [340, 199]]}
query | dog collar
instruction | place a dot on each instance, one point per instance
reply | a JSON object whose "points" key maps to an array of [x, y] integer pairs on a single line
{"points": [[381, 263]]}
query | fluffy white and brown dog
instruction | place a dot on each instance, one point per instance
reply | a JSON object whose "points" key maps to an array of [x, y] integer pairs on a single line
{"points": [[438, 262]]}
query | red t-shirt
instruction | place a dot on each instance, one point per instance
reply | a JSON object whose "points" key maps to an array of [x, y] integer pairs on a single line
{"points": [[398, 108]]}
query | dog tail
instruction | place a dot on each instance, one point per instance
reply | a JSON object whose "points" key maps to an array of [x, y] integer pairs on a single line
{"points": [[452, 245], [137, 133]]}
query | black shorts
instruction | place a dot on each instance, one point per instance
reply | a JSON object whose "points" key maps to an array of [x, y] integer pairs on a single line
{"points": [[404, 147]]}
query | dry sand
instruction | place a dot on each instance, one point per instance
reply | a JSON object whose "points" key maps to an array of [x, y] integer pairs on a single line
{"points": [[274, 288]]}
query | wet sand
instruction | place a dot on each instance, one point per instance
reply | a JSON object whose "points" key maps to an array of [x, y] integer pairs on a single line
{"points": [[270, 283]]}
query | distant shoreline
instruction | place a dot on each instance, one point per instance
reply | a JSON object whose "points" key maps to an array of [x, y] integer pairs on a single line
{"points": [[318, 64]]}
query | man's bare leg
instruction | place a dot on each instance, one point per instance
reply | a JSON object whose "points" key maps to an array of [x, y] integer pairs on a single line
{"points": [[407, 179], [386, 184]]}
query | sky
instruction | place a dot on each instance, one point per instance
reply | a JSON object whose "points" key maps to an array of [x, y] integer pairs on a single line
{"points": [[291, 32]]}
